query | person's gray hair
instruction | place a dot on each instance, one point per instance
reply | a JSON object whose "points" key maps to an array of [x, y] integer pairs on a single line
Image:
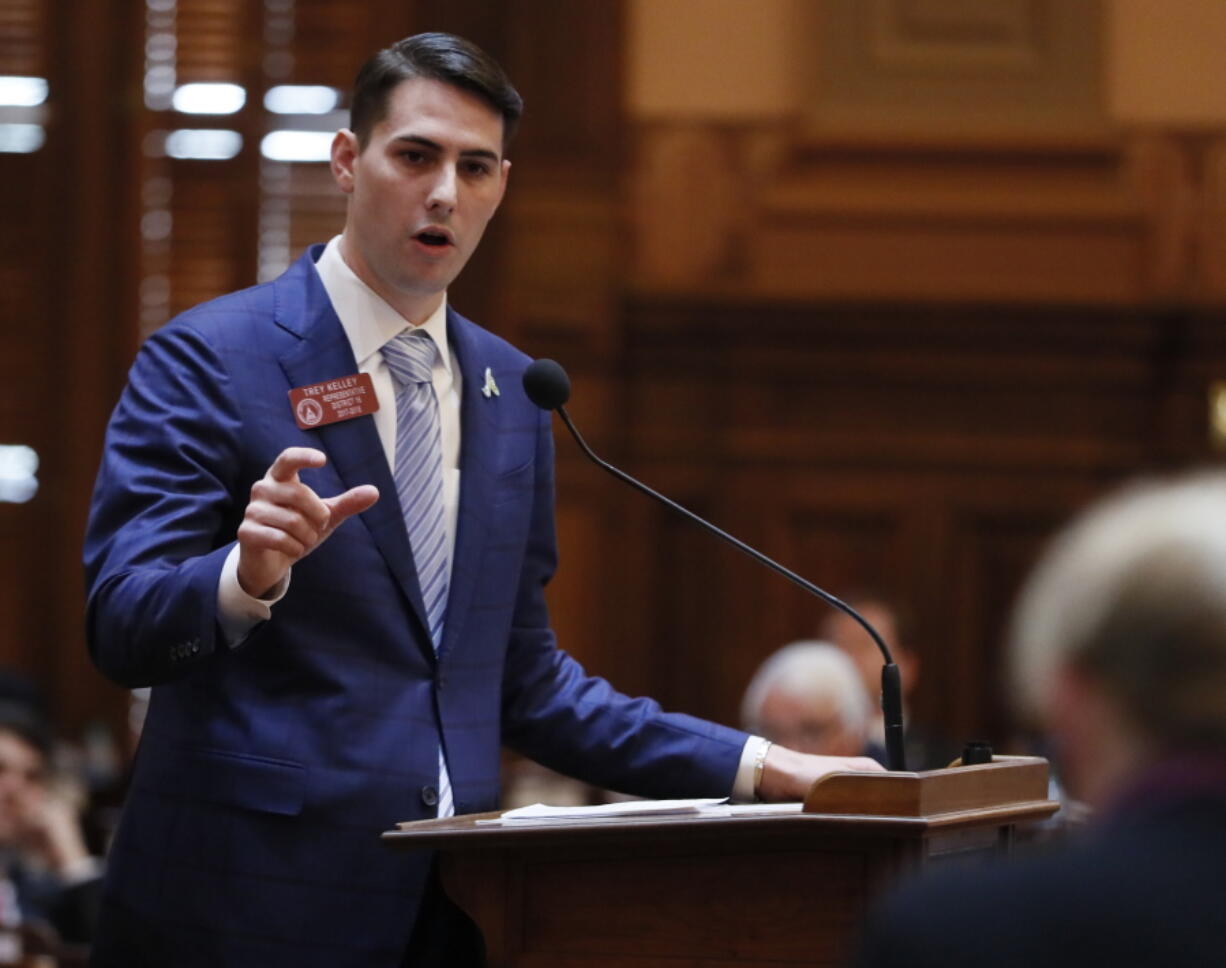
{"points": [[1133, 594], [809, 669]]}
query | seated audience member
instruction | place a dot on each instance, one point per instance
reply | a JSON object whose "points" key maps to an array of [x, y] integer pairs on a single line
{"points": [[46, 872], [807, 697], [1119, 648], [926, 749]]}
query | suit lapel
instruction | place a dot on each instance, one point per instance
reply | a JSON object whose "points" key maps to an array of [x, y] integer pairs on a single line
{"points": [[353, 447], [478, 426]]}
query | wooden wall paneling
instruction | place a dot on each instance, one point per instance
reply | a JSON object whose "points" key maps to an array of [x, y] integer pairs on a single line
{"points": [[484, 22], [1029, 222], [329, 39], [612, 589], [699, 595], [923, 450], [28, 319], [857, 257], [1210, 225], [647, 608], [690, 607], [583, 595], [1085, 216], [563, 235], [638, 597], [89, 272], [912, 386], [995, 537], [566, 60], [26, 395], [845, 532], [1162, 172], [690, 203]]}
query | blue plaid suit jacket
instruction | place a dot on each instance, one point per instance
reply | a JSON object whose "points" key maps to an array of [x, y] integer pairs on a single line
{"points": [[266, 772]]}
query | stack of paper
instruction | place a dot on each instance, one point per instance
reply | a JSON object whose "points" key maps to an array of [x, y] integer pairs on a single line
{"points": [[540, 813]]}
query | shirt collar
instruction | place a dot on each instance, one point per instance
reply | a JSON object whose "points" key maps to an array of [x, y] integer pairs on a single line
{"points": [[369, 322]]}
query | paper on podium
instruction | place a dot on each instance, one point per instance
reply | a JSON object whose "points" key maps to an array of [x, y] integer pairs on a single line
{"points": [[539, 813]]}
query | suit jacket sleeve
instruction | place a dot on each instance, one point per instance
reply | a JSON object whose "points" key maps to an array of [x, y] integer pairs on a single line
{"points": [[163, 513], [557, 714]]}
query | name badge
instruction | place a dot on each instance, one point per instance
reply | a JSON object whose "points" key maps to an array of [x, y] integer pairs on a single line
{"points": [[332, 401]]}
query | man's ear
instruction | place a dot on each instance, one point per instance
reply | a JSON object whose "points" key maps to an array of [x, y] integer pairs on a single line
{"points": [[345, 152]]}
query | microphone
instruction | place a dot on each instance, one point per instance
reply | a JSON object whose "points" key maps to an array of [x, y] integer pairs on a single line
{"points": [[548, 386]]}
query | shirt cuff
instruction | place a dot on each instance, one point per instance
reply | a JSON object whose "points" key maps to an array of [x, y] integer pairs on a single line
{"points": [[237, 612], [744, 788]]}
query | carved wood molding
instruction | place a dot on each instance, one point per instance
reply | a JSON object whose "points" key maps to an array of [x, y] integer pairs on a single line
{"points": [[1129, 218]]}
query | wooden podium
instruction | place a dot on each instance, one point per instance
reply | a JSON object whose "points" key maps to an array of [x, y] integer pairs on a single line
{"points": [[752, 888]]}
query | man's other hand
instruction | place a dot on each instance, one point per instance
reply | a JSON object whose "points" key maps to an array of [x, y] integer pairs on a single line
{"points": [[788, 775], [285, 520]]}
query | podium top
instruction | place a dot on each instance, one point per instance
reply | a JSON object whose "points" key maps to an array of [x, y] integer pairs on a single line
{"points": [[1010, 789]]}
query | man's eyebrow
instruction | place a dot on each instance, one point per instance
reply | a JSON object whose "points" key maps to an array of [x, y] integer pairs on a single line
{"points": [[435, 146]]}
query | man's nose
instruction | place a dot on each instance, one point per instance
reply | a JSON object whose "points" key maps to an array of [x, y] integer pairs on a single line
{"points": [[442, 195]]}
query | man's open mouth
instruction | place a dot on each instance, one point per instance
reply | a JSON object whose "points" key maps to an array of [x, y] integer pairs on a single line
{"points": [[432, 238]]}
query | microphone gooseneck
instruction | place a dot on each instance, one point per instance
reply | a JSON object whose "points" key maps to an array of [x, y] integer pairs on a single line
{"points": [[548, 387]]}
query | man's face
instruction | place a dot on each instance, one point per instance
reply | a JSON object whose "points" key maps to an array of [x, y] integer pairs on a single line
{"points": [[421, 192]]}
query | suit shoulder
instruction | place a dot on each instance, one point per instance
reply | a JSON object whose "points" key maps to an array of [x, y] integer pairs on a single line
{"points": [[237, 324], [234, 310]]}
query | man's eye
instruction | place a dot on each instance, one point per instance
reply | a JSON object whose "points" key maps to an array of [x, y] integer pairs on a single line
{"points": [[413, 157], [477, 168]]}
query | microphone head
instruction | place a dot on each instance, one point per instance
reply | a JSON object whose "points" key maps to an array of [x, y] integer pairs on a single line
{"points": [[546, 384]]}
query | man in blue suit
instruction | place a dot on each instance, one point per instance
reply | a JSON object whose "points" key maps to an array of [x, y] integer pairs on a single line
{"points": [[321, 670]]}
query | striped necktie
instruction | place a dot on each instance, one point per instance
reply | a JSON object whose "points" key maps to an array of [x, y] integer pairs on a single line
{"points": [[419, 467], [418, 472]]}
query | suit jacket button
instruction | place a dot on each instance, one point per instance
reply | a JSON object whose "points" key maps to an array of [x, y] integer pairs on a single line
{"points": [[429, 796]]}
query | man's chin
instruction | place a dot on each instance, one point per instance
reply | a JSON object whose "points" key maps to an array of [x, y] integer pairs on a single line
{"points": [[429, 279]]}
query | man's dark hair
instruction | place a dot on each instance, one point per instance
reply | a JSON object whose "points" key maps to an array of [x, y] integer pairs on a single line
{"points": [[445, 58]]}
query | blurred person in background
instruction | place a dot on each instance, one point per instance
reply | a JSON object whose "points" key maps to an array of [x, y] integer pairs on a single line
{"points": [[1118, 648], [47, 873], [808, 697]]}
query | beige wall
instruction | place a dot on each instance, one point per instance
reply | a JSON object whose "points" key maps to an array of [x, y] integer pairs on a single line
{"points": [[1167, 61], [726, 59], [742, 59]]}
